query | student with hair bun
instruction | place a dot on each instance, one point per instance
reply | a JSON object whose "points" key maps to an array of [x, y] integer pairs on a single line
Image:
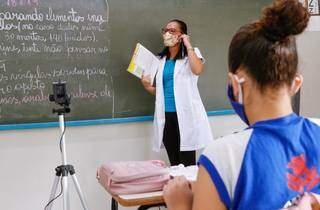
{"points": [[275, 159]]}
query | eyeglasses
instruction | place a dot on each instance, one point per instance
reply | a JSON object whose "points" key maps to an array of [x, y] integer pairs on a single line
{"points": [[170, 30]]}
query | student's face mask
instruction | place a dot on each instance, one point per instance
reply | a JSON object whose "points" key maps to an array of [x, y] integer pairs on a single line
{"points": [[170, 40], [238, 105]]}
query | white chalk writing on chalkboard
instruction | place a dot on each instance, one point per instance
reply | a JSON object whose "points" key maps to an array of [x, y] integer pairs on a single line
{"points": [[27, 28], [14, 3], [52, 32], [42, 42]]}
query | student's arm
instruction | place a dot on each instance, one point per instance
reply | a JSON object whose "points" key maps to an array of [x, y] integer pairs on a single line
{"points": [[179, 196], [195, 62], [145, 80], [205, 194]]}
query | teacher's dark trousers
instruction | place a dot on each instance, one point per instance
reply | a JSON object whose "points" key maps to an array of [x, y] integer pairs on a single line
{"points": [[171, 141]]}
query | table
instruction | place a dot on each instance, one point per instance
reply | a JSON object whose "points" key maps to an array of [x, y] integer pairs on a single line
{"points": [[143, 200]]}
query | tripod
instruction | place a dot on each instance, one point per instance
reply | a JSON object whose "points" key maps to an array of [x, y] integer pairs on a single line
{"points": [[63, 171]]}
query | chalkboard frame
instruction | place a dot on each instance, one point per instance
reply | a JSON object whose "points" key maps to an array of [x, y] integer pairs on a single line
{"points": [[97, 122]]}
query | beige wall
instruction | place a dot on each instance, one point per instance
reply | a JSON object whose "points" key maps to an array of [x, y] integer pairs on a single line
{"points": [[309, 54]]}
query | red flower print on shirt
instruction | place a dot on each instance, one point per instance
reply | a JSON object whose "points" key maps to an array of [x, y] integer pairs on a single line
{"points": [[301, 178]]}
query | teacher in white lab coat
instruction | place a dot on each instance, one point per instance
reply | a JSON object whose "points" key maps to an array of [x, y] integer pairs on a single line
{"points": [[180, 120]]}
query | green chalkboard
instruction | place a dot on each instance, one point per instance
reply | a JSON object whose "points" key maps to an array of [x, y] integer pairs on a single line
{"points": [[89, 43]]}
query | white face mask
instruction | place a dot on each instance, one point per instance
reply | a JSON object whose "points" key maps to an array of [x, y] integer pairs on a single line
{"points": [[170, 40]]}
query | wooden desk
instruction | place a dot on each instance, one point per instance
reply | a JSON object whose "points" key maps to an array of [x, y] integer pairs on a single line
{"points": [[143, 202]]}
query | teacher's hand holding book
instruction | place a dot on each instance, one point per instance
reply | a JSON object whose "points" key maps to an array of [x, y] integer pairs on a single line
{"points": [[146, 82]]}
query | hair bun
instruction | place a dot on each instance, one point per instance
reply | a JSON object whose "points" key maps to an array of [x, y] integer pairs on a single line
{"points": [[284, 18]]}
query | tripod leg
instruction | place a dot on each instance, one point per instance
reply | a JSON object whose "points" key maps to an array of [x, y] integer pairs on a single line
{"points": [[66, 201], [76, 183], [53, 192]]}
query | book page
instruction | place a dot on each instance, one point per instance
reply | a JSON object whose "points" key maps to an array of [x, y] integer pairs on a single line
{"points": [[143, 62], [190, 172]]}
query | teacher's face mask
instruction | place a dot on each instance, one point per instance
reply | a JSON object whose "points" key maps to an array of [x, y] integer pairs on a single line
{"points": [[170, 40], [238, 105]]}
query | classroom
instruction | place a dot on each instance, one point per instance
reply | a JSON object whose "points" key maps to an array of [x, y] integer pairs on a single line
{"points": [[203, 83]]}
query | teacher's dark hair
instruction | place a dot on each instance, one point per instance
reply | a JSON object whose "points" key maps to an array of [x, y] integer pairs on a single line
{"points": [[266, 49], [182, 51]]}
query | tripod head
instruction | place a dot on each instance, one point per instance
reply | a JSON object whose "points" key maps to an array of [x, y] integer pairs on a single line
{"points": [[60, 97]]}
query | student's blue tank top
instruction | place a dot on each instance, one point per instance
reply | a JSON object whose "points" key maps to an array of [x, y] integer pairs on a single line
{"points": [[266, 165]]}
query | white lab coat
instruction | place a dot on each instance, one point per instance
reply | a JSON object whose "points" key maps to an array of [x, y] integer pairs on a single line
{"points": [[195, 131]]}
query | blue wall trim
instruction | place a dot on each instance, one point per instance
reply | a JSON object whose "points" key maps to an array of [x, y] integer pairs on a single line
{"points": [[96, 122]]}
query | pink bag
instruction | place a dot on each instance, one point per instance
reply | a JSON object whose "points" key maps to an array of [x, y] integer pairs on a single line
{"points": [[130, 177]]}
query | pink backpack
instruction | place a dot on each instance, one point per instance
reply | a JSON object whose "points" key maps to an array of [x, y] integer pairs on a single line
{"points": [[130, 177]]}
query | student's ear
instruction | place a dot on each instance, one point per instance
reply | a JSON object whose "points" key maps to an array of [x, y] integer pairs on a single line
{"points": [[296, 84], [233, 82]]}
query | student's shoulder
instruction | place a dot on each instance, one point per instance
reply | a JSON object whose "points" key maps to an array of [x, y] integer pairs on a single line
{"points": [[312, 125], [223, 159], [315, 121], [234, 141]]}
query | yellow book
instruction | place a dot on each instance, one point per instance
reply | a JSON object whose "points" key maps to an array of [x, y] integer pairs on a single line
{"points": [[143, 62]]}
